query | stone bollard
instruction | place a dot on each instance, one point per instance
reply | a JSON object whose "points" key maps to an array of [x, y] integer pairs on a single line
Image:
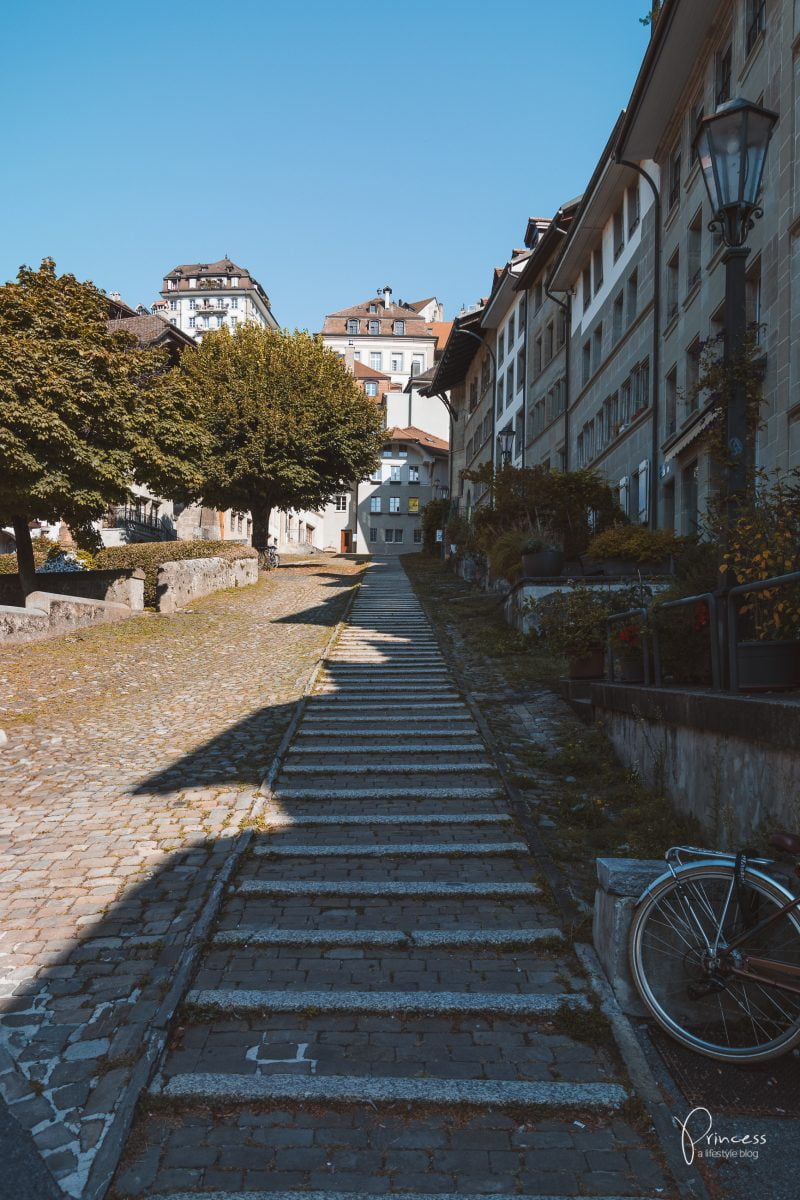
{"points": [[621, 882]]}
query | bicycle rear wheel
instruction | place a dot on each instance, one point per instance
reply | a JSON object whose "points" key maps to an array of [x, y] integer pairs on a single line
{"points": [[685, 983]]}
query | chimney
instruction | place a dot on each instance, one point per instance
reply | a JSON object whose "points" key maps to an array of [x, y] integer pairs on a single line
{"points": [[115, 296], [387, 297], [350, 358]]}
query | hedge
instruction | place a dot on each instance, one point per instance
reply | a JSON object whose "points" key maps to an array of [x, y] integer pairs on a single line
{"points": [[149, 556]]}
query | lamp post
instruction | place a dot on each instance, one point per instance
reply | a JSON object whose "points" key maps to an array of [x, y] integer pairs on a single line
{"points": [[505, 443], [732, 148]]}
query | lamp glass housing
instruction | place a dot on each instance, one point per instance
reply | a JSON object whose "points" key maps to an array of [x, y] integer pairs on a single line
{"points": [[732, 148]]}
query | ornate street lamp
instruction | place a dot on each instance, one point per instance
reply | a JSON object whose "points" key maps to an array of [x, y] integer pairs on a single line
{"points": [[732, 148], [505, 443]]}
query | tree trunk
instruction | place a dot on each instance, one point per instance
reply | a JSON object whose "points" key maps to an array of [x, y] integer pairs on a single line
{"points": [[25, 564], [261, 532]]}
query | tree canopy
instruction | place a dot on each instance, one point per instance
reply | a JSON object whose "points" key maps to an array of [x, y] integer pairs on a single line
{"points": [[288, 427], [84, 412]]}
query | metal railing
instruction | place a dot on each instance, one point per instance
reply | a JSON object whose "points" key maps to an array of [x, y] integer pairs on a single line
{"points": [[761, 585], [710, 600], [632, 614]]}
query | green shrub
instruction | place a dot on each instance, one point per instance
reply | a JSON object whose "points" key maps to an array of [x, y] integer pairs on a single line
{"points": [[149, 556], [573, 622], [635, 543], [505, 554]]}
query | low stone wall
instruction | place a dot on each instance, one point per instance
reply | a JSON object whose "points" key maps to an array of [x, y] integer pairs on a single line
{"points": [[116, 586], [47, 614], [731, 761], [181, 582]]}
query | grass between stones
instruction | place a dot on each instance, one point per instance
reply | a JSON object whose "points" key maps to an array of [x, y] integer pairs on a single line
{"points": [[587, 805]]}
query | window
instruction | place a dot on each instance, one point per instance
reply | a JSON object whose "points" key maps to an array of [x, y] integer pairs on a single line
{"points": [[537, 356], [377, 475], [413, 474], [695, 118], [625, 403], [511, 334], [374, 504], [417, 364], [371, 387], [722, 75], [501, 347], [402, 454], [373, 308], [538, 297], [634, 207], [397, 362], [388, 535], [587, 287], [619, 232], [510, 384], [221, 302], [520, 368], [694, 242], [220, 322], [500, 384], [549, 341], [417, 537], [398, 535], [234, 322], [171, 284], [487, 426], [587, 362], [340, 503], [561, 328], [387, 453], [521, 312], [671, 402], [632, 297], [693, 376], [192, 304], [394, 504], [597, 268], [234, 302], [173, 321], [376, 360], [373, 533], [374, 327], [597, 347], [400, 328], [353, 326], [173, 305], [673, 282], [413, 504], [617, 319], [233, 522], [674, 177], [641, 386], [394, 476], [755, 23], [192, 322]]}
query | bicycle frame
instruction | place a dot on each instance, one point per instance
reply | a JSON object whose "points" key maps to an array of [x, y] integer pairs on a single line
{"points": [[739, 863]]}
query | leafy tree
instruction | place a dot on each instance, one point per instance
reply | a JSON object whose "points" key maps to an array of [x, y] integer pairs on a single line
{"points": [[83, 412], [287, 424]]}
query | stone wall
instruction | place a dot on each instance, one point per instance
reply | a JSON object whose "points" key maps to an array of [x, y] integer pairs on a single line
{"points": [[181, 582], [116, 586], [731, 761], [47, 614]]}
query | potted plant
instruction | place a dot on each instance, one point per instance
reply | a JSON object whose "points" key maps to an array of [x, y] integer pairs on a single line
{"points": [[629, 548], [628, 656], [573, 624], [542, 555], [764, 542]]}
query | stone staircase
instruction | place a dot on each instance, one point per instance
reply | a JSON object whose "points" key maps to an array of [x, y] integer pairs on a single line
{"points": [[387, 1005]]}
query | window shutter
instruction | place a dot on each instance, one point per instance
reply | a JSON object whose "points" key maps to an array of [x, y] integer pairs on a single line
{"points": [[644, 491]]}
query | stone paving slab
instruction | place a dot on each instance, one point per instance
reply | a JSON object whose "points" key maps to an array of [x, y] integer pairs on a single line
{"points": [[134, 755]]}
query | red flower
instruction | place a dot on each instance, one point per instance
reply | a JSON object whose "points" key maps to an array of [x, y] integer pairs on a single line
{"points": [[701, 617], [629, 636]]}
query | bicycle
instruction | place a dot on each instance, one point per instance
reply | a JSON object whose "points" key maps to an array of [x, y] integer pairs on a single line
{"points": [[715, 953]]}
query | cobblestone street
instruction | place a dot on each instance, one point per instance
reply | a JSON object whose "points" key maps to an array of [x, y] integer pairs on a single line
{"points": [[388, 1003], [133, 757]]}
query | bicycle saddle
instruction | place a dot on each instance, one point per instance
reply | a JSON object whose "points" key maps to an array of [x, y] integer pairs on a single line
{"points": [[790, 842]]}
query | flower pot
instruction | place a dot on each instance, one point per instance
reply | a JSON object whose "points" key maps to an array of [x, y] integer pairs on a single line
{"points": [[768, 666], [544, 563], [588, 666], [630, 668]]}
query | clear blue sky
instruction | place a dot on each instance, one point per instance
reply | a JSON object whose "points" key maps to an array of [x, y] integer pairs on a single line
{"points": [[328, 147]]}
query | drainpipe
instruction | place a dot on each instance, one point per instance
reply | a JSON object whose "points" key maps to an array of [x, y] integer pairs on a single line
{"points": [[566, 308], [624, 162]]}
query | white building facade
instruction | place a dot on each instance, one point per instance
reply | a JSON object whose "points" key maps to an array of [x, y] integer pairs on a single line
{"points": [[200, 297]]}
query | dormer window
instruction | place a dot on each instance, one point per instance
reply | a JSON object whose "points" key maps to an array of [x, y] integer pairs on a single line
{"points": [[400, 328], [192, 283], [373, 308], [374, 326], [170, 285], [353, 326]]}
